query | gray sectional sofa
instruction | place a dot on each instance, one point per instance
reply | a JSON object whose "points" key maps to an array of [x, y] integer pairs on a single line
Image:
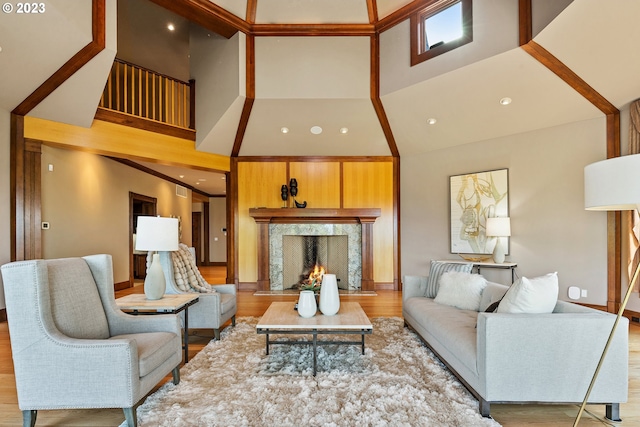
{"points": [[523, 358]]}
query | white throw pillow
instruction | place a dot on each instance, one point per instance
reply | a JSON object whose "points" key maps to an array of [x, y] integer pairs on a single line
{"points": [[537, 295], [461, 290]]}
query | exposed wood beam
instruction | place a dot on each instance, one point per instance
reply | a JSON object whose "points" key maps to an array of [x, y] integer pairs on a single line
{"points": [[76, 62], [401, 14], [614, 219], [16, 181], [375, 96], [207, 15], [252, 8], [251, 95], [372, 11], [326, 30], [525, 22], [568, 76]]}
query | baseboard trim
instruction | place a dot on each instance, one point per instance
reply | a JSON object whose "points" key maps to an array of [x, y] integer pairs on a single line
{"points": [[122, 285]]}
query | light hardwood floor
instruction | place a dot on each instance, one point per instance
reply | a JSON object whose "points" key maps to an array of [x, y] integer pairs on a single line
{"points": [[386, 304]]}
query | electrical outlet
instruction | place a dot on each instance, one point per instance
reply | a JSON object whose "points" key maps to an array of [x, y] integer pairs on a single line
{"points": [[583, 293], [45, 225]]}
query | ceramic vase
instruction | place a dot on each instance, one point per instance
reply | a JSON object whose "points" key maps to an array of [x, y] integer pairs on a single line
{"points": [[329, 296], [498, 251], [155, 284], [307, 304]]}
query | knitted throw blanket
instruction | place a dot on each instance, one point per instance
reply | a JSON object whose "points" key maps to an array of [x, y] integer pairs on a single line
{"points": [[186, 273]]}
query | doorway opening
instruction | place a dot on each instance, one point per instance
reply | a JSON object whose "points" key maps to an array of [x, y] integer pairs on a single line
{"points": [[139, 205]]}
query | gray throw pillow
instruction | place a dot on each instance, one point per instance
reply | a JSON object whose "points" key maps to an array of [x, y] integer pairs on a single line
{"points": [[440, 267]]}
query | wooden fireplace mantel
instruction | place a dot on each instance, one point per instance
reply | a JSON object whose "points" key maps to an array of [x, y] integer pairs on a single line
{"points": [[266, 216], [314, 216]]}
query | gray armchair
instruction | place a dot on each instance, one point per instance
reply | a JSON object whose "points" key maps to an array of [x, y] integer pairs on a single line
{"points": [[214, 308], [73, 348]]}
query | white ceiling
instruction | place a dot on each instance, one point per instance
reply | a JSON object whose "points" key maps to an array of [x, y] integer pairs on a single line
{"points": [[596, 39]]}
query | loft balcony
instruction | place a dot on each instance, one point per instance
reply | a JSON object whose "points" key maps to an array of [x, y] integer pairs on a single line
{"points": [[137, 97]]}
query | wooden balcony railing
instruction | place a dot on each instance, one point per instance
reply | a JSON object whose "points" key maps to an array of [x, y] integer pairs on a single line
{"points": [[145, 94]]}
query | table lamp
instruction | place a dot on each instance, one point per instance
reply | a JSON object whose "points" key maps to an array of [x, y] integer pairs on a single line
{"points": [[156, 234], [498, 228], [612, 185]]}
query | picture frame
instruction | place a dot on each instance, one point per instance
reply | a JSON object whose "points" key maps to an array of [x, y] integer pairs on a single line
{"points": [[473, 198]]}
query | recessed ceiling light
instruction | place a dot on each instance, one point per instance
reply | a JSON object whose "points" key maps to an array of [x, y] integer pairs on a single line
{"points": [[202, 179], [505, 101], [344, 130], [284, 129], [223, 177], [431, 121], [181, 176], [171, 27], [316, 130]]}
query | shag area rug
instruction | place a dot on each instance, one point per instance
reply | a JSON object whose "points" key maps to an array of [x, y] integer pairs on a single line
{"points": [[232, 382]]}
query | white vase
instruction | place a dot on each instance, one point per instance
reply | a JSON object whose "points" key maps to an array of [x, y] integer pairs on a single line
{"points": [[307, 304], [155, 283], [498, 251], [329, 296]]}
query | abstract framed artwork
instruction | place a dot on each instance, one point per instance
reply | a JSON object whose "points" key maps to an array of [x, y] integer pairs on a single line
{"points": [[473, 198]]}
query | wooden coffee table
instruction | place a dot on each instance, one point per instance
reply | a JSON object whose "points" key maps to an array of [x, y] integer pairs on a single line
{"points": [[281, 318]]}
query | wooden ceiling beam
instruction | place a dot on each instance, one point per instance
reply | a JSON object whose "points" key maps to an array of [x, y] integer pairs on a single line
{"points": [[208, 15], [330, 30], [401, 14], [69, 68]]}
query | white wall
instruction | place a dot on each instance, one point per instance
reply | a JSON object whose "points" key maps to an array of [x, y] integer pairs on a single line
{"points": [[86, 201], [551, 231], [495, 30], [5, 200]]}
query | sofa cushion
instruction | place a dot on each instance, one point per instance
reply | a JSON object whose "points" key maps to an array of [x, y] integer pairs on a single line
{"points": [[491, 294], [76, 306], [537, 295], [453, 328], [152, 348], [440, 267], [461, 290]]}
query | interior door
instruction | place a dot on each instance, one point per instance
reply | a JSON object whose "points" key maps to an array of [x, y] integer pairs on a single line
{"points": [[139, 205], [196, 232]]}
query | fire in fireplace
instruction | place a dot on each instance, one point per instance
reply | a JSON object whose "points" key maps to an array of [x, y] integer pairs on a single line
{"points": [[309, 257]]}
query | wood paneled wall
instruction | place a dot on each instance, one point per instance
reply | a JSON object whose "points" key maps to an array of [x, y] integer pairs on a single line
{"points": [[322, 183]]}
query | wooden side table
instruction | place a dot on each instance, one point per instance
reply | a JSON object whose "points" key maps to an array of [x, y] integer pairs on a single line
{"points": [[169, 304], [478, 265]]}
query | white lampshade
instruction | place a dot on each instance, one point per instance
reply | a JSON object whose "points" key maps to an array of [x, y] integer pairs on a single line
{"points": [[498, 227], [613, 184], [155, 233]]}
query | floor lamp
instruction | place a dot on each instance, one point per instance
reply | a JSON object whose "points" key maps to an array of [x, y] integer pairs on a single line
{"points": [[612, 185]]}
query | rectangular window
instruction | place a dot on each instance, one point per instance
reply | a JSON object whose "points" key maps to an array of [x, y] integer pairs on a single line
{"points": [[441, 26]]}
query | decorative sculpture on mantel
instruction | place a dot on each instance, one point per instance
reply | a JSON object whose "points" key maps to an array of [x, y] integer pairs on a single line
{"points": [[293, 190], [284, 194]]}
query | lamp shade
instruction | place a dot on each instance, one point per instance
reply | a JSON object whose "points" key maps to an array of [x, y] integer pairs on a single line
{"points": [[155, 233], [498, 227], [613, 184]]}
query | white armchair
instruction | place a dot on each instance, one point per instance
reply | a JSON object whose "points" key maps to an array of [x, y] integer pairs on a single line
{"points": [[73, 348], [214, 308]]}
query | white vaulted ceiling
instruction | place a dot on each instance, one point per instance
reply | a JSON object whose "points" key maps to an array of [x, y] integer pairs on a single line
{"points": [[325, 81]]}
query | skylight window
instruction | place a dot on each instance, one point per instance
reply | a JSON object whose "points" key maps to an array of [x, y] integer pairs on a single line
{"points": [[441, 26]]}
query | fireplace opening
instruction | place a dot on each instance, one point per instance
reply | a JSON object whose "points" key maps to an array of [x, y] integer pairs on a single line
{"points": [[305, 256]]}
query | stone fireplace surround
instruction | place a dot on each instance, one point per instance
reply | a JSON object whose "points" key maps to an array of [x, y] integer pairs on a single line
{"points": [[264, 217]]}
